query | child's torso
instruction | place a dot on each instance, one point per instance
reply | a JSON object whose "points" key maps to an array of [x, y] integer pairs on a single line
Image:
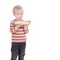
{"points": [[19, 36]]}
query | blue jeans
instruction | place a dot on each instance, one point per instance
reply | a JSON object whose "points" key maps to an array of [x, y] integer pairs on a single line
{"points": [[18, 49]]}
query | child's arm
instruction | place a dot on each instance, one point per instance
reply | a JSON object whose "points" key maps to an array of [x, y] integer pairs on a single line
{"points": [[17, 27], [14, 28], [26, 30]]}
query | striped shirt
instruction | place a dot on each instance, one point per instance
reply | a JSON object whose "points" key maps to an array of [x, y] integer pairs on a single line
{"points": [[19, 35]]}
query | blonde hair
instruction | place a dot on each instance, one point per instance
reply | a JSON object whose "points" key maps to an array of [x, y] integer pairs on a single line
{"points": [[17, 8]]}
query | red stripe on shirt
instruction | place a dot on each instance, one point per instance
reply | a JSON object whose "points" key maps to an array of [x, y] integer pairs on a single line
{"points": [[18, 36]]}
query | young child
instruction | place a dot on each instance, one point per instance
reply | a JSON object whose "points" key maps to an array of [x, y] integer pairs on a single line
{"points": [[18, 34]]}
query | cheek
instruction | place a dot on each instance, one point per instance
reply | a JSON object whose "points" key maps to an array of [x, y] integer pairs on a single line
{"points": [[20, 15]]}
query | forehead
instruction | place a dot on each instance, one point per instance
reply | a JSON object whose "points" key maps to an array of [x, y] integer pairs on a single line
{"points": [[19, 11]]}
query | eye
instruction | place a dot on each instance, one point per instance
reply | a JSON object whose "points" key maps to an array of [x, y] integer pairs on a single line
{"points": [[21, 13]]}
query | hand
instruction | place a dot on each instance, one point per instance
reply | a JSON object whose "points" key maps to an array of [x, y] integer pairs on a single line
{"points": [[26, 26], [17, 26]]}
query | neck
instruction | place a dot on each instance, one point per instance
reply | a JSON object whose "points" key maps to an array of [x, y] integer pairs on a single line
{"points": [[18, 19]]}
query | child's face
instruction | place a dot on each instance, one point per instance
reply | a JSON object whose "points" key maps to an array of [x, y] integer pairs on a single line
{"points": [[19, 14]]}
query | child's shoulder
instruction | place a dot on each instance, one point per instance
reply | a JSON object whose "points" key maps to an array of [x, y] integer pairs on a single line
{"points": [[13, 21]]}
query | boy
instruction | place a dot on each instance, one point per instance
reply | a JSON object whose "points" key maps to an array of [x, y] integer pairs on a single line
{"points": [[18, 34]]}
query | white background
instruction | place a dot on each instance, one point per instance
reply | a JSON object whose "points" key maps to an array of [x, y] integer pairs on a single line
{"points": [[43, 40]]}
